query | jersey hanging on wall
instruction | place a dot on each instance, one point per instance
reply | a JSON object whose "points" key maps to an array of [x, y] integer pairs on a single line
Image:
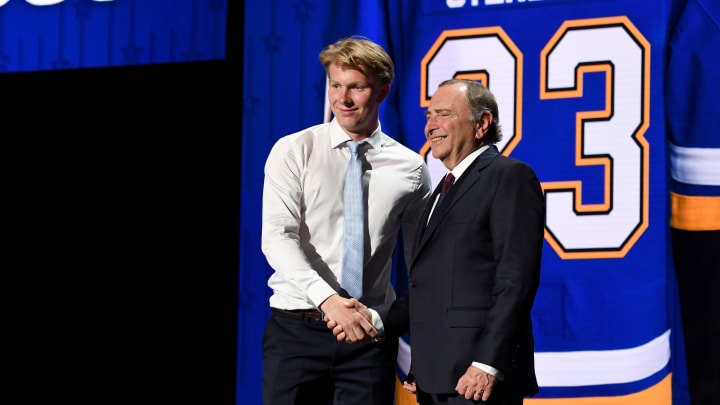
{"points": [[579, 90]]}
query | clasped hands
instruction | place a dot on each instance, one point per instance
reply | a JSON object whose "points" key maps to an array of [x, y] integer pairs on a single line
{"points": [[349, 319]]}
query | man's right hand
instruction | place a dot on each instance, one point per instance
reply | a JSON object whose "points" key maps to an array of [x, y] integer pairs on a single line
{"points": [[409, 384], [349, 319]]}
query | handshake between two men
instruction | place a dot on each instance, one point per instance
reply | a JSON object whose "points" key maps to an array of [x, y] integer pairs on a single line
{"points": [[349, 319]]}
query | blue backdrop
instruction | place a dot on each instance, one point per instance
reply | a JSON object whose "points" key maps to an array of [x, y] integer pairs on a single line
{"points": [[581, 88], [85, 33]]}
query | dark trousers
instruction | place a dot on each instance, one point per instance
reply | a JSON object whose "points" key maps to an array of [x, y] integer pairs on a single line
{"points": [[500, 396], [303, 363]]}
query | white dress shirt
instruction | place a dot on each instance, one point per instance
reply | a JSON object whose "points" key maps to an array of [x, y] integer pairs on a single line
{"points": [[302, 214]]}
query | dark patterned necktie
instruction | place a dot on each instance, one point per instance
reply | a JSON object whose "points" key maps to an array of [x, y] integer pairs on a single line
{"points": [[449, 180]]}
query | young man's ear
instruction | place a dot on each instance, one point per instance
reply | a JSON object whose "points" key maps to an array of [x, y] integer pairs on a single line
{"points": [[384, 91]]}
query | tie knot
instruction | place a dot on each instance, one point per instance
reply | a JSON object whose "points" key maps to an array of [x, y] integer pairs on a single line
{"points": [[353, 146], [449, 179]]}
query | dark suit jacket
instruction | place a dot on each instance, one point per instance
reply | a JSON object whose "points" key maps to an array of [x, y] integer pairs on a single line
{"points": [[474, 277]]}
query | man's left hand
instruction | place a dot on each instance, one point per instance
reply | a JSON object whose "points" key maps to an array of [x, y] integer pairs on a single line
{"points": [[475, 384]]}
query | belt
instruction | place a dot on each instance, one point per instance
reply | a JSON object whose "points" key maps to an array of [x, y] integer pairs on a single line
{"points": [[301, 313]]}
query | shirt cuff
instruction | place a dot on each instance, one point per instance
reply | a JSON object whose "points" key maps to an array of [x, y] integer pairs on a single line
{"points": [[319, 292], [378, 324], [490, 370]]}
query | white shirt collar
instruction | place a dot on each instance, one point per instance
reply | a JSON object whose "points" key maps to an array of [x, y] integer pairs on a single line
{"points": [[338, 137], [463, 165]]}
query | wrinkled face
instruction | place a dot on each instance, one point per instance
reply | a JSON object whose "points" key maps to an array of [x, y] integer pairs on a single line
{"points": [[451, 134], [355, 100]]}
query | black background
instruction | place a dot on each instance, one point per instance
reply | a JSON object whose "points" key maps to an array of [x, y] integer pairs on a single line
{"points": [[121, 193]]}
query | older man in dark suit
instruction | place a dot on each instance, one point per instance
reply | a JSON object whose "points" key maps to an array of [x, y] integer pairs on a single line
{"points": [[476, 267]]}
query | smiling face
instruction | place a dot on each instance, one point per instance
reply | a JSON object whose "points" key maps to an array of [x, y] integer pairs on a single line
{"points": [[355, 100], [449, 128]]}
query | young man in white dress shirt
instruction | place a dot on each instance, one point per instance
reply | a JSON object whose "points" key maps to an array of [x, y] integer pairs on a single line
{"points": [[302, 239]]}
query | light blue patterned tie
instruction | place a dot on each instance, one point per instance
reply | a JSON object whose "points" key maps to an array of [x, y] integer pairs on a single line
{"points": [[353, 228]]}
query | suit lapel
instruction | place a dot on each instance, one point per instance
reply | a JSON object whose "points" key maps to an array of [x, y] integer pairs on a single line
{"points": [[426, 213]]}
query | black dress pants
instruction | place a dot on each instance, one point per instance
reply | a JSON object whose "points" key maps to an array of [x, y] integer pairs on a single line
{"points": [[303, 363]]}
